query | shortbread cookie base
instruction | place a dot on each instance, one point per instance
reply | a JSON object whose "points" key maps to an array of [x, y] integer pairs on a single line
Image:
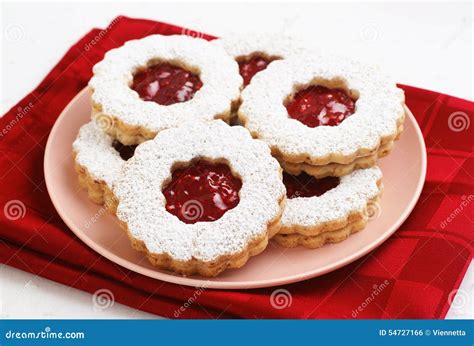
{"points": [[338, 169], [316, 241], [132, 135], [334, 225], [205, 248], [387, 141], [195, 266], [101, 194], [306, 158], [380, 109], [97, 190], [130, 119]]}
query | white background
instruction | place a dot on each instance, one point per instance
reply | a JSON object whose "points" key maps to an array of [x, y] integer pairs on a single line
{"points": [[428, 45]]}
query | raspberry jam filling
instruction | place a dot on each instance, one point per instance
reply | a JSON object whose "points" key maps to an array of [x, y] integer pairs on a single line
{"points": [[320, 106], [304, 185], [250, 67], [166, 84], [125, 151], [202, 192]]}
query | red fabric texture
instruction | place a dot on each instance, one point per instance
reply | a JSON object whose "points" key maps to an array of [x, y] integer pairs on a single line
{"points": [[419, 266]]}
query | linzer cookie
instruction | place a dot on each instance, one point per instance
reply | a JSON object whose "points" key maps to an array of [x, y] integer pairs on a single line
{"points": [[200, 198], [160, 82], [98, 160], [328, 210], [254, 52], [338, 169], [323, 115]]}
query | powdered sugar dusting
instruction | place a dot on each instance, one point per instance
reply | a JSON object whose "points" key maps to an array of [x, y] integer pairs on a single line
{"points": [[142, 204], [114, 74], [94, 151], [244, 45], [378, 107], [351, 195]]}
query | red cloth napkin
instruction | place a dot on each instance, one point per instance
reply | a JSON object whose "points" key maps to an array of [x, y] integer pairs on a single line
{"points": [[419, 266]]}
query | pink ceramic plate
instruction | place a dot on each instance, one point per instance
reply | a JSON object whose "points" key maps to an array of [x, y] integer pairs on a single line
{"points": [[404, 174]]}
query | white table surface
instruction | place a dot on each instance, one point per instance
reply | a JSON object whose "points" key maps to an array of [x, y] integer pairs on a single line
{"points": [[427, 45]]}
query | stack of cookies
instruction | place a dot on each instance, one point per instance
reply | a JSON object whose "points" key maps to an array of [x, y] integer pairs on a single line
{"points": [[198, 195]]}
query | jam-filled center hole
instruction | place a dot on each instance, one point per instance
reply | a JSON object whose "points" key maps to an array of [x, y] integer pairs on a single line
{"points": [[126, 151], [304, 185], [165, 83], [250, 65], [202, 191], [323, 103]]}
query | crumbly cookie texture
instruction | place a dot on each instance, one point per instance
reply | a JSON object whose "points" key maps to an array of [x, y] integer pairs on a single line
{"points": [[97, 163], [339, 169], [352, 200], [271, 46], [379, 110], [206, 248], [132, 120], [316, 241]]}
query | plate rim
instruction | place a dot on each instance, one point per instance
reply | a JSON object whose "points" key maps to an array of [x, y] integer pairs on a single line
{"points": [[207, 282]]}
